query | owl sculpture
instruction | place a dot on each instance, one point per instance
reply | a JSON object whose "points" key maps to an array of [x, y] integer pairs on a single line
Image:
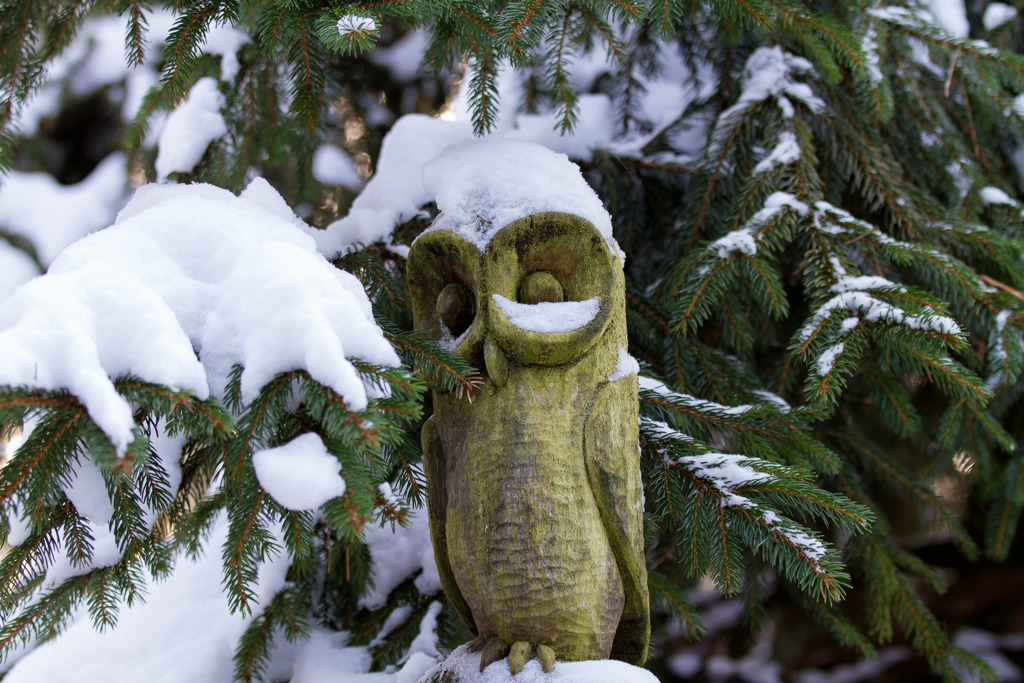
{"points": [[534, 491]]}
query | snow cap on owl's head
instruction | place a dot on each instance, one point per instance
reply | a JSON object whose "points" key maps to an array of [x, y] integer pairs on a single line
{"points": [[481, 186]]}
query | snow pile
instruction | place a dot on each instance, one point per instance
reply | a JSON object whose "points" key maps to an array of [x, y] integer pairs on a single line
{"points": [[301, 474], [483, 185], [595, 127], [425, 641], [226, 41], [947, 15], [183, 630], [786, 152], [325, 659], [403, 57], [189, 270], [87, 490], [774, 399], [16, 268], [857, 294], [827, 359], [449, 341], [993, 195], [997, 14], [835, 221], [729, 472], [190, 129], [958, 170], [95, 59], [870, 47], [660, 100], [331, 166], [464, 666], [998, 350], [548, 316], [625, 365], [770, 72], [950, 15], [726, 472], [396, 191], [399, 553], [743, 240], [52, 216], [353, 23]]}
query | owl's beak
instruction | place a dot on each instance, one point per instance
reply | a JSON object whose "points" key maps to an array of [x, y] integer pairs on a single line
{"points": [[496, 362]]}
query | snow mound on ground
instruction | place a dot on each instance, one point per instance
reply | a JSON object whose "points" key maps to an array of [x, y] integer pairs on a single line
{"points": [[189, 271], [301, 474], [87, 491], [465, 667], [182, 630], [483, 185], [397, 554]]}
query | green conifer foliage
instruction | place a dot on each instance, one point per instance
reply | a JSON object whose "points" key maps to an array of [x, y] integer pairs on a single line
{"points": [[826, 302]]}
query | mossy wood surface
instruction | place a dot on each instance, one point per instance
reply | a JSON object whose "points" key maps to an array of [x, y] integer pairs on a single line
{"points": [[534, 486]]}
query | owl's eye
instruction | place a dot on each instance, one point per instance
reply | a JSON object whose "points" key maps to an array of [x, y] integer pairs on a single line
{"points": [[539, 287], [456, 306]]}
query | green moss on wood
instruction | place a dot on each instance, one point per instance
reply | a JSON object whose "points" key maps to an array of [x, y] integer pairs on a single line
{"points": [[534, 486]]}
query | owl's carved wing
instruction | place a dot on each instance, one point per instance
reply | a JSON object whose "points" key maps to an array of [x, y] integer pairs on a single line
{"points": [[613, 467], [437, 511]]}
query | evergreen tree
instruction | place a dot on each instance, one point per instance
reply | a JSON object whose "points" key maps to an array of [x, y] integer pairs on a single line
{"points": [[824, 265]]}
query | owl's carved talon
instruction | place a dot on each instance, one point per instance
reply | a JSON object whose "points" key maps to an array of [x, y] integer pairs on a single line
{"points": [[477, 644], [519, 656], [494, 650], [546, 657]]}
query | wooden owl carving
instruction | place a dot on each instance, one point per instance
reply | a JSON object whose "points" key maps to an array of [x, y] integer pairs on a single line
{"points": [[534, 493]]}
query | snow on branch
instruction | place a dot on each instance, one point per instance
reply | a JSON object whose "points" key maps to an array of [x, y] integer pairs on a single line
{"points": [[743, 492], [745, 239], [189, 282], [705, 278], [769, 73], [785, 152], [855, 295], [687, 402]]}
